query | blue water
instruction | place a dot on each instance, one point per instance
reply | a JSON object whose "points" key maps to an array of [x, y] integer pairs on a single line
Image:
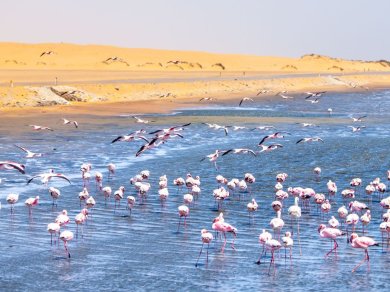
{"points": [[145, 251]]}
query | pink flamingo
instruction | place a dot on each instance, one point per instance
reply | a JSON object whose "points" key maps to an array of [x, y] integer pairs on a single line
{"points": [[83, 195], [272, 245], [352, 219], [363, 242], [287, 243], [12, 199], [220, 225], [163, 194], [66, 236], [277, 223], [207, 237], [332, 188], [295, 213], [130, 203], [55, 194], [184, 211], [331, 233], [252, 207], [80, 219], [99, 180], [62, 219], [188, 199], [325, 207], [53, 228], [107, 191], [263, 238], [111, 170], [276, 206], [118, 195], [179, 182], [365, 219], [333, 222], [31, 202]]}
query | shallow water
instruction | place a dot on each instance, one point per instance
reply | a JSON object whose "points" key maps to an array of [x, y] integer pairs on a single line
{"points": [[145, 251]]}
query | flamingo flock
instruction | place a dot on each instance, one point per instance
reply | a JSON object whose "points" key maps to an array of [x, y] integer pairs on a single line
{"points": [[354, 217]]}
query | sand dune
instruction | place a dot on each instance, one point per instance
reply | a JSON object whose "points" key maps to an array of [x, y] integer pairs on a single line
{"points": [[41, 74]]}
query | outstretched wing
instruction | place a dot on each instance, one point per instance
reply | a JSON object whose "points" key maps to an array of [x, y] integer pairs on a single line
{"points": [[263, 140], [59, 175]]}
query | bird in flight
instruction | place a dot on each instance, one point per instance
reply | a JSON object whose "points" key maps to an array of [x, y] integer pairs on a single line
{"points": [[272, 136], [217, 127], [245, 99], [263, 91], [47, 53], [12, 165], [47, 176], [317, 100], [285, 96], [356, 129], [239, 151], [39, 128], [267, 148], [29, 153], [359, 119], [314, 94], [213, 157], [155, 142], [263, 128], [310, 139], [307, 125], [131, 137], [68, 122], [170, 130], [207, 99], [141, 121]]}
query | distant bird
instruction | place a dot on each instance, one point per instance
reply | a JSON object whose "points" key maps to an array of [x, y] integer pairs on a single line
{"points": [[263, 128], [330, 111], [207, 99], [67, 122], [29, 153], [218, 127], [12, 199], [359, 119], [47, 176], [356, 129], [31, 202], [170, 130], [307, 125], [310, 139], [267, 148], [285, 96], [131, 137], [238, 151], [141, 121], [47, 53], [184, 211], [152, 144], [12, 165], [263, 91], [317, 100], [314, 94], [213, 157], [245, 99], [39, 128], [272, 136]]}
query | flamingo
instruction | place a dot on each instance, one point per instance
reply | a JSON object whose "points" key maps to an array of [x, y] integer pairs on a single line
{"points": [[332, 233], [80, 220], [31, 202], [130, 203], [363, 242], [107, 191], [326, 206], [365, 219], [83, 195], [188, 199], [111, 170], [12, 199], [195, 190], [263, 238], [184, 211], [277, 205], [163, 194], [99, 180], [272, 245], [118, 195], [333, 222], [90, 202], [66, 236], [277, 223], [54, 193], [332, 188], [287, 242], [179, 182], [295, 213], [13, 165], [53, 228], [47, 176], [220, 225], [207, 237], [352, 219], [62, 219], [252, 207]]}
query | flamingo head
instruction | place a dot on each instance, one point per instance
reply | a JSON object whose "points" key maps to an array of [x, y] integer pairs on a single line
{"points": [[353, 236], [321, 227]]}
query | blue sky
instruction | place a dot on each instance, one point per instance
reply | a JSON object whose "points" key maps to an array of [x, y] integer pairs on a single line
{"points": [[354, 29]]}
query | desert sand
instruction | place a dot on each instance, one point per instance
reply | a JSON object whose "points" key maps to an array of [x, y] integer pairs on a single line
{"points": [[106, 79]]}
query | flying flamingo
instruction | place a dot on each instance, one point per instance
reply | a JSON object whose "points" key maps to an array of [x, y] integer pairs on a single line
{"points": [[184, 211], [220, 225], [207, 237], [66, 236], [12, 165], [53, 228], [363, 242], [47, 176], [31, 202], [332, 233]]}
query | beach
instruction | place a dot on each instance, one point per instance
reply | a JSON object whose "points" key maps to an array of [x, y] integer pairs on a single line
{"points": [[104, 80]]}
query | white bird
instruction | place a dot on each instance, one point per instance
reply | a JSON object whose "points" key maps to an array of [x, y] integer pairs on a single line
{"points": [[359, 119], [245, 99], [39, 128], [12, 165], [141, 121], [238, 151], [356, 129], [310, 139], [29, 153], [47, 176], [67, 122]]}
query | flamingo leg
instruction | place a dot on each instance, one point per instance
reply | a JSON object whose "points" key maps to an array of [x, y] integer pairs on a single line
{"points": [[178, 226], [366, 258], [51, 239], [207, 253], [261, 255], [66, 248], [224, 244], [234, 238], [201, 249]]}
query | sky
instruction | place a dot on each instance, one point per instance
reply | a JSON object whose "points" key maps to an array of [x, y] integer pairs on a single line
{"points": [[352, 29]]}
